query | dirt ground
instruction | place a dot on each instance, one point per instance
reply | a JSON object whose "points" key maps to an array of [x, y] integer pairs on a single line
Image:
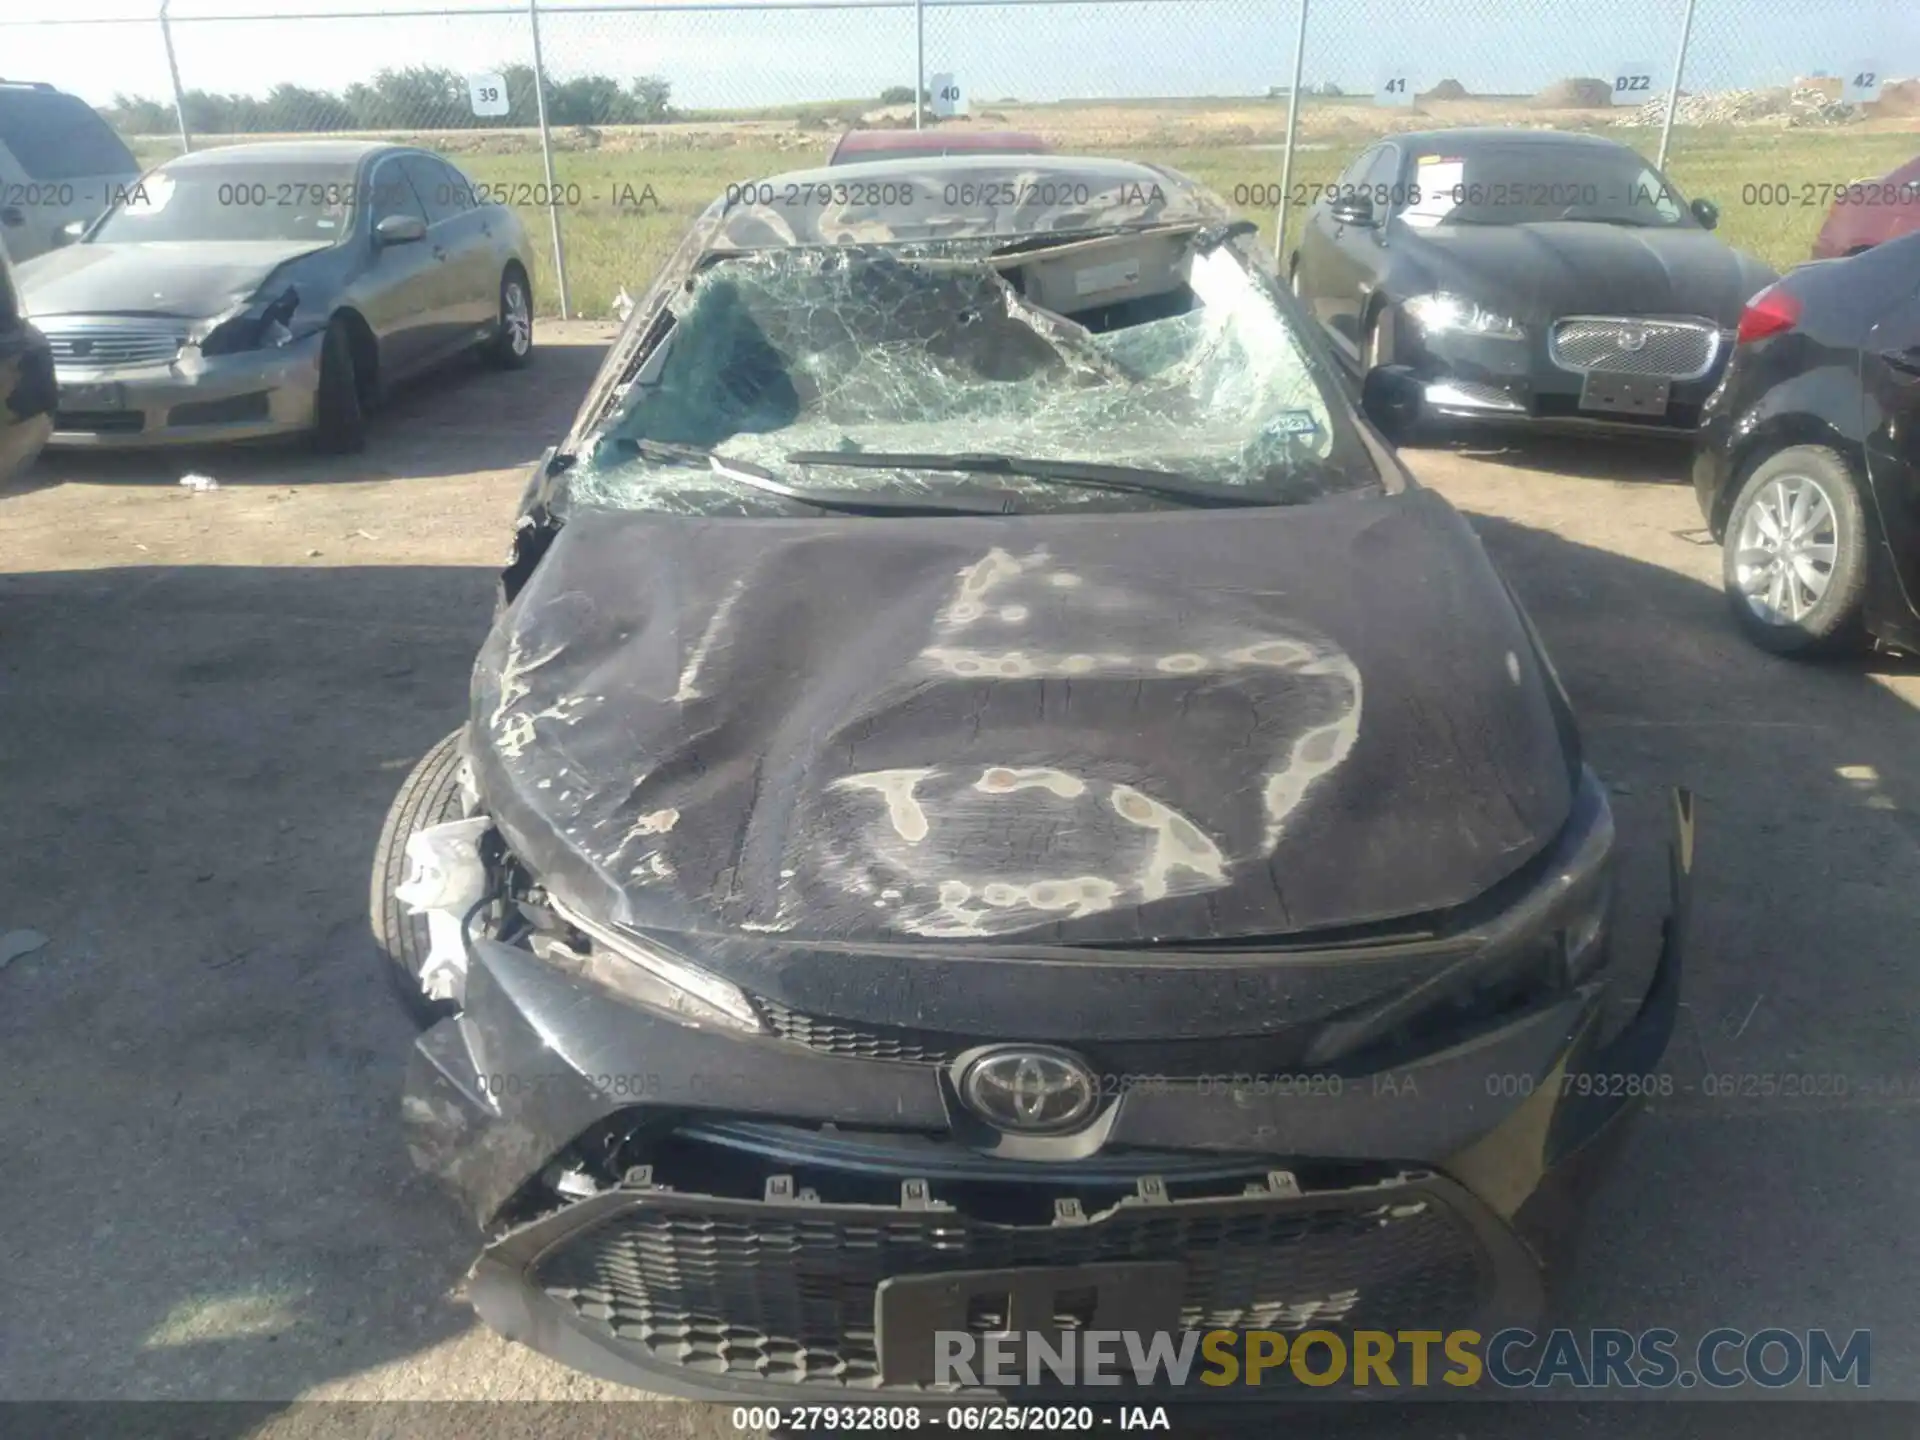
{"points": [[207, 700]]}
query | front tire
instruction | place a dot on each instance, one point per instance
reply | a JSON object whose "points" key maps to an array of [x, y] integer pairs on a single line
{"points": [[1794, 561], [429, 796], [512, 344], [339, 420]]}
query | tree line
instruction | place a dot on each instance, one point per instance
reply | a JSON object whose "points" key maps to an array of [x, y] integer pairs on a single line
{"points": [[419, 97]]}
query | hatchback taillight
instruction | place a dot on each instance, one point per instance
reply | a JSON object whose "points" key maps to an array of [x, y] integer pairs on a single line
{"points": [[1768, 313]]}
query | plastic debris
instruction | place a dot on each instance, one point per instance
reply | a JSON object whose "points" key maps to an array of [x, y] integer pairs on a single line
{"points": [[622, 305], [16, 943], [199, 482]]}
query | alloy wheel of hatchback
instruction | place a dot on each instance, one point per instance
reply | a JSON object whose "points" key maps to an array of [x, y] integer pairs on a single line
{"points": [[1785, 551], [1796, 552]]}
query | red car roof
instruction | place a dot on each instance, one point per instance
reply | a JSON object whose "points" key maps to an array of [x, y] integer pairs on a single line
{"points": [[1871, 212], [859, 145]]}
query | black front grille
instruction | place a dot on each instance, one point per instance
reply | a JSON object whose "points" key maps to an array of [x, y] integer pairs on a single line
{"points": [[1112, 1061], [100, 422], [775, 1293], [230, 410], [837, 1037]]}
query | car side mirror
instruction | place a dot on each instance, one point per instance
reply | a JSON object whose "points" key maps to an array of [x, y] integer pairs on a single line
{"points": [[1390, 397], [1353, 210], [70, 233], [400, 230], [1706, 212]]}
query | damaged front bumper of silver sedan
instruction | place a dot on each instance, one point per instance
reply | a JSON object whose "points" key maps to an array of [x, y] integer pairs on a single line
{"points": [[711, 1204], [184, 397]]}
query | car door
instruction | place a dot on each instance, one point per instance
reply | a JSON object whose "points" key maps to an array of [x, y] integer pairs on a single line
{"points": [[1890, 372], [1313, 275], [463, 290], [401, 285], [1356, 255], [485, 247]]}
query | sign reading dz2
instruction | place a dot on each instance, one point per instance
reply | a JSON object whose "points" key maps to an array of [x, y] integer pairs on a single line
{"points": [[1633, 82]]}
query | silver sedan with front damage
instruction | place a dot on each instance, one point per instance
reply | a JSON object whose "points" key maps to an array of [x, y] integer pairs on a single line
{"points": [[275, 289]]}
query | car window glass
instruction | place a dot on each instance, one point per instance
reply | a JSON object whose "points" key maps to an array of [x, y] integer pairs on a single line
{"points": [[393, 193], [1377, 180], [794, 350], [459, 189], [262, 200], [1525, 184], [1350, 176], [59, 137], [436, 189]]}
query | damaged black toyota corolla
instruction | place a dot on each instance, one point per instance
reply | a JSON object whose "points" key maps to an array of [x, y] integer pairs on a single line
{"points": [[992, 801]]}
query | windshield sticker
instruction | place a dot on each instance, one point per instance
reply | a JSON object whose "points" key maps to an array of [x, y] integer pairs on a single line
{"points": [[1293, 422], [1436, 183]]}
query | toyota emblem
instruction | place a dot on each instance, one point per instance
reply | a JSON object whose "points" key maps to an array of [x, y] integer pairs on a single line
{"points": [[1631, 339], [83, 347], [1029, 1089]]}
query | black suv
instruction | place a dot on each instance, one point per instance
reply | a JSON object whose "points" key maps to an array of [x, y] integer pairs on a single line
{"points": [[26, 381]]}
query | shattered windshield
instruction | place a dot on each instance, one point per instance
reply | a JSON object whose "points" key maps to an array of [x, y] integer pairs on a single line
{"points": [[1140, 350]]}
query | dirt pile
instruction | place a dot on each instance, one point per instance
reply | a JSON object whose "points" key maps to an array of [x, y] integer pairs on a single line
{"points": [[1446, 90], [1584, 92], [1897, 97]]}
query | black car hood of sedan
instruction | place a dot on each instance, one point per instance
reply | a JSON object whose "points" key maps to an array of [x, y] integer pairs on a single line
{"points": [[1538, 272], [193, 280], [1066, 729]]}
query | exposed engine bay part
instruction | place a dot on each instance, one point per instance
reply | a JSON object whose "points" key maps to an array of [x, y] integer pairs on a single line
{"points": [[448, 879]]}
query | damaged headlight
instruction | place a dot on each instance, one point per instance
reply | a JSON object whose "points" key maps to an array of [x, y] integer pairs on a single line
{"points": [[1570, 907], [252, 328], [1441, 313], [648, 975]]}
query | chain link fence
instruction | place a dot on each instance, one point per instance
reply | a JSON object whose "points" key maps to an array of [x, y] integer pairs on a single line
{"points": [[650, 111]]}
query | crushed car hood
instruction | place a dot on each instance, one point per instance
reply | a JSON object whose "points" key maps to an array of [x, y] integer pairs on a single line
{"points": [[1541, 271], [1109, 728], [191, 279]]}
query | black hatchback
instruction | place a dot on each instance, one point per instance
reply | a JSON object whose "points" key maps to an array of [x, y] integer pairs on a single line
{"points": [[1808, 466], [26, 381]]}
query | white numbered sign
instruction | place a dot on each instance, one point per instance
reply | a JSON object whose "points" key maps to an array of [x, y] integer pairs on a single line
{"points": [[488, 94], [1396, 87], [1862, 85], [948, 97], [1633, 82]]}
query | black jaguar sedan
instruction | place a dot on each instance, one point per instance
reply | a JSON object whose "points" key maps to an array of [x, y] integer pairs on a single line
{"points": [[993, 801], [1524, 277], [1808, 466]]}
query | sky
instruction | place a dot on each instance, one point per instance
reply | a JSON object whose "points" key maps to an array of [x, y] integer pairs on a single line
{"points": [[770, 52]]}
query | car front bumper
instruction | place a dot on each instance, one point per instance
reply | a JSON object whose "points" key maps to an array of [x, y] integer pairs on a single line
{"points": [[190, 400], [745, 1260], [1472, 378]]}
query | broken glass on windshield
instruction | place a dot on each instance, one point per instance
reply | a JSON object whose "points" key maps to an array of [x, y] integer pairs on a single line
{"points": [[1173, 359]]}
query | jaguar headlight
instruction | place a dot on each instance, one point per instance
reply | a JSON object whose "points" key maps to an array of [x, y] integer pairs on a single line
{"points": [[652, 977], [1442, 313]]}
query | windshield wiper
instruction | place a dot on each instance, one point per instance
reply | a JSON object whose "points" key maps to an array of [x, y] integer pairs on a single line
{"points": [[852, 502], [1130, 479]]}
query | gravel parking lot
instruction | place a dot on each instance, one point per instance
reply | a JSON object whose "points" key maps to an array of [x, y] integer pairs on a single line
{"points": [[207, 700]]}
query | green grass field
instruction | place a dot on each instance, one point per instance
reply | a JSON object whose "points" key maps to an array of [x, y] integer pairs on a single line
{"points": [[623, 210]]}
